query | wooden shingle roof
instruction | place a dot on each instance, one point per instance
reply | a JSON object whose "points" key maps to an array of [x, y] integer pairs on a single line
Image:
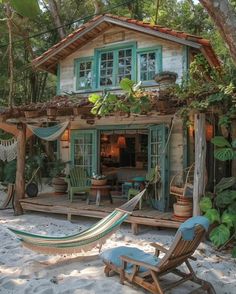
{"points": [[99, 24]]}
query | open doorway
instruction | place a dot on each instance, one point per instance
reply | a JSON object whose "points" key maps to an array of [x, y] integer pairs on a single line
{"points": [[126, 149]]}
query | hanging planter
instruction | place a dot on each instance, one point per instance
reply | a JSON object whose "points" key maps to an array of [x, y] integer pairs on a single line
{"points": [[166, 77]]}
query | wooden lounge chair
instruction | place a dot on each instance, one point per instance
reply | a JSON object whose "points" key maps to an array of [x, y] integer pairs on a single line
{"points": [[78, 182], [135, 266]]}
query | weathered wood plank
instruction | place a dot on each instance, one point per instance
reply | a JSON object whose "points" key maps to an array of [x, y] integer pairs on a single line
{"points": [[20, 169], [60, 205], [200, 161]]}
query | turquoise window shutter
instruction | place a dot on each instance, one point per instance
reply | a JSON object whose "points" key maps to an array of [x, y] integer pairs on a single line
{"points": [[159, 155]]}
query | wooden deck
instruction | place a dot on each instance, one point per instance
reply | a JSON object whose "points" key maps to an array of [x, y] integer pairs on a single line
{"points": [[53, 203]]}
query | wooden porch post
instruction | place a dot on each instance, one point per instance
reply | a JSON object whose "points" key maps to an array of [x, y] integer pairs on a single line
{"points": [[20, 169], [200, 161]]}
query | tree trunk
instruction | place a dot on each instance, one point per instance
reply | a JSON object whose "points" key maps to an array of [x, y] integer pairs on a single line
{"points": [[224, 17], [20, 169], [97, 6], [10, 54], [200, 161], [233, 132], [56, 18]]}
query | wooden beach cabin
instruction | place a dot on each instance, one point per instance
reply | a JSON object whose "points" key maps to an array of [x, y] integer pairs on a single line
{"points": [[96, 57]]}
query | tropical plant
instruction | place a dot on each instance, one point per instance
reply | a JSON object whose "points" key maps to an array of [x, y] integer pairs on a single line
{"points": [[224, 150], [134, 101], [56, 168], [220, 209]]}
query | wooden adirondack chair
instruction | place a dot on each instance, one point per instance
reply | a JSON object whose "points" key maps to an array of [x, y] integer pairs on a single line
{"points": [[78, 182], [135, 266]]}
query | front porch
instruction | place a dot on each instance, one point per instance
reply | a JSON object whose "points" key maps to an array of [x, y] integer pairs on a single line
{"points": [[55, 203]]}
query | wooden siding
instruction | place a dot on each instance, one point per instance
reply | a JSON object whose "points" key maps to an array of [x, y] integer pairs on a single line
{"points": [[173, 54]]}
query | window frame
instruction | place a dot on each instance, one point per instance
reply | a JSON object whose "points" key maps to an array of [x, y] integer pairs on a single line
{"points": [[77, 63], [158, 59], [115, 49]]}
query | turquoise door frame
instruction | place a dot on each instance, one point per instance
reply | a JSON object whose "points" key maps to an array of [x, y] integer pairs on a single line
{"points": [[84, 150], [159, 155]]}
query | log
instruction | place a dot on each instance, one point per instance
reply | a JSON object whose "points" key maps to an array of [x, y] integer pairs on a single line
{"points": [[200, 161], [20, 169]]}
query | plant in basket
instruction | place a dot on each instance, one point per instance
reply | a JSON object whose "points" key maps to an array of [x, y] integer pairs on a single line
{"points": [[98, 180]]}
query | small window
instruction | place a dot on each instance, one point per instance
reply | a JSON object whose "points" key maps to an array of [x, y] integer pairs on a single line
{"points": [[149, 65], [83, 71]]}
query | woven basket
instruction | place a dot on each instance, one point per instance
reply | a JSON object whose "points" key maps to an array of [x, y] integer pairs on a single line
{"points": [[101, 182]]}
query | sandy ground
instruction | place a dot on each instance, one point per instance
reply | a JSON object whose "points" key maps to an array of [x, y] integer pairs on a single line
{"points": [[25, 271]]}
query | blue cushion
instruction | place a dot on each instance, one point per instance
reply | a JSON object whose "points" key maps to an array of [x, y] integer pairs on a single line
{"points": [[139, 179], [187, 228], [113, 256]]}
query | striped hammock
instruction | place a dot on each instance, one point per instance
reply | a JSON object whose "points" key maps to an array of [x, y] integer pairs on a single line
{"points": [[49, 133], [83, 241]]}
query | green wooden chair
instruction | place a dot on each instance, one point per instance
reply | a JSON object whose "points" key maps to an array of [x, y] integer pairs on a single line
{"points": [[78, 182]]}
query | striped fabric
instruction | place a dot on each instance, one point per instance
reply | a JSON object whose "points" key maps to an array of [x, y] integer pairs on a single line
{"points": [[49, 133], [83, 241]]}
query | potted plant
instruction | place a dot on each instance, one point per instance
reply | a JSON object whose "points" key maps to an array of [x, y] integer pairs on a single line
{"points": [[98, 180], [57, 174]]}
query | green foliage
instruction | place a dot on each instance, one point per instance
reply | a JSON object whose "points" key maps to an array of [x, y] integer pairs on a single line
{"points": [[234, 252], [213, 215], [56, 168], [9, 172], [134, 101], [221, 211], [225, 183], [220, 141], [225, 198], [225, 151], [205, 204], [28, 8], [220, 235], [229, 219]]}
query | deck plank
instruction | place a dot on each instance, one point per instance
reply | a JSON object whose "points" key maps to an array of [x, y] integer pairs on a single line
{"points": [[53, 203]]}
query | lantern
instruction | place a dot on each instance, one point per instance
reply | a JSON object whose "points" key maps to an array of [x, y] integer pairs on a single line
{"points": [[209, 131], [121, 142], [191, 131], [65, 136]]}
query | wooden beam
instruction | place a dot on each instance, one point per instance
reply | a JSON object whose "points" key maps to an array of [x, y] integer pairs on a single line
{"points": [[20, 169], [200, 161]]}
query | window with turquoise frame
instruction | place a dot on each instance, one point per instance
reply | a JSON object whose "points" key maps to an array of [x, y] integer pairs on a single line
{"points": [[149, 64], [84, 73], [114, 64]]}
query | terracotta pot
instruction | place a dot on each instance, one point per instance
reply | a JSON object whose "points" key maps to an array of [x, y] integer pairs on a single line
{"points": [[59, 185], [183, 211]]}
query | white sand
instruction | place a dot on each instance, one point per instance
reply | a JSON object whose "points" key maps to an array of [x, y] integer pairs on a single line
{"points": [[24, 271]]}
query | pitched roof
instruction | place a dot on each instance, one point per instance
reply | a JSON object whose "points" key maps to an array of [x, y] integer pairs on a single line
{"points": [[99, 24]]}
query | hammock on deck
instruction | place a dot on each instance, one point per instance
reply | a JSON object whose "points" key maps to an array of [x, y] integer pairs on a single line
{"points": [[83, 241], [49, 133]]}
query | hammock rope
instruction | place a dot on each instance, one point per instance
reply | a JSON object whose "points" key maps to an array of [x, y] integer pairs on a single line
{"points": [[49, 133], [83, 241], [8, 149]]}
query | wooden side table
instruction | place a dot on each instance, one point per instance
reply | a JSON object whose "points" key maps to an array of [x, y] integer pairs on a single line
{"points": [[100, 191]]}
